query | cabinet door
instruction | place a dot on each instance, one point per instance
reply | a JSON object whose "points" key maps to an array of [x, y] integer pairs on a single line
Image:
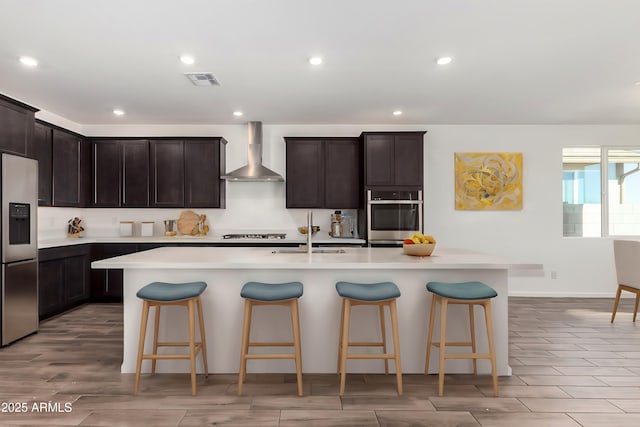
{"points": [[342, 186], [379, 153], [50, 287], [76, 271], [305, 176], [202, 173], [43, 153], [67, 157], [408, 153], [167, 173], [106, 173], [16, 128], [107, 285], [115, 285], [135, 173]]}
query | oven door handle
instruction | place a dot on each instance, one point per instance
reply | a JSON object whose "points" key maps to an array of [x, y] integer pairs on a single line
{"points": [[395, 202]]}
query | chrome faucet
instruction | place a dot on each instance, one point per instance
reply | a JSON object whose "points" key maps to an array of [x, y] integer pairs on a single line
{"points": [[309, 230]]}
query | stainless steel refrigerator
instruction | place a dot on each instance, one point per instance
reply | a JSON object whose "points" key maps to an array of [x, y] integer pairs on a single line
{"points": [[19, 250]]}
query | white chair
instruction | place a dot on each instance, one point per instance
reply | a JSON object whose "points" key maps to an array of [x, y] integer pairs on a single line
{"points": [[627, 257]]}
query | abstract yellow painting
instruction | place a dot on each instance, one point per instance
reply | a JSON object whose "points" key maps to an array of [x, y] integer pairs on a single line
{"points": [[488, 181]]}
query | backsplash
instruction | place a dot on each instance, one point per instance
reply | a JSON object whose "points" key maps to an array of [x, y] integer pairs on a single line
{"points": [[103, 222]]}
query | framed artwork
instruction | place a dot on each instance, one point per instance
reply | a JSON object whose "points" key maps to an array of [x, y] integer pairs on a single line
{"points": [[488, 181]]}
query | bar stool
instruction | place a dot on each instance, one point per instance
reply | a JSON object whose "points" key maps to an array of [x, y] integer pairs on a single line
{"points": [[256, 293], [470, 293], [159, 294], [380, 294]]}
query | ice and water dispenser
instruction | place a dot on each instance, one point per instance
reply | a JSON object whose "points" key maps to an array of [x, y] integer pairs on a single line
{"points": [[19, 224]]}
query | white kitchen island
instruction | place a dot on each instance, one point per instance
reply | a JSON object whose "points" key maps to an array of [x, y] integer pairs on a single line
{"points": [[225, 270]]}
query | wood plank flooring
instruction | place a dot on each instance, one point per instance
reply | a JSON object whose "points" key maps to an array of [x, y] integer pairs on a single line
{"points": [[571, 368]]}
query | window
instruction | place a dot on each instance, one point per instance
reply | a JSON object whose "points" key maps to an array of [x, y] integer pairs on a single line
{"points": [[601, 191]]}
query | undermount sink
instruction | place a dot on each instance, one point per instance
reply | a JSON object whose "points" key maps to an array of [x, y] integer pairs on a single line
{"points": [[304, 251]]}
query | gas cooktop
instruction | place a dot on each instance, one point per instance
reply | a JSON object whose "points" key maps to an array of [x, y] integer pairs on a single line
{"points": [[255, 236]]}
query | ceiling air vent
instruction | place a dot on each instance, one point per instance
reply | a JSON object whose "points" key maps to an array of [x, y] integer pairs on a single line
{"points": [[202, 79]]}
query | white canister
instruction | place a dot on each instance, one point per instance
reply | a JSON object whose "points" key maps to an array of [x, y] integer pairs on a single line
{"points": [[126, 228], [146, 229]]}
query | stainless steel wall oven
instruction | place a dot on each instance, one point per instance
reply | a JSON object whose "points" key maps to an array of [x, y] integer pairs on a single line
{"points": [[393, 215]]}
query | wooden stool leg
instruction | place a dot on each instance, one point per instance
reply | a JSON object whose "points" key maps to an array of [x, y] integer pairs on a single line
{"points": [[143, 333], [295, 323], [472, 330], [345, 345], [443, 340], [340, 339], [492, 350], [615, 303], [203, 339], [192, 343], [635, 309], [432, 318], [156, 327], [384, 339], [246, 329], [396, 344]]}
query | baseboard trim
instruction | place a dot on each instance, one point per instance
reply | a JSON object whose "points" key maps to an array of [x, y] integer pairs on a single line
{"points": [[610, 295]]}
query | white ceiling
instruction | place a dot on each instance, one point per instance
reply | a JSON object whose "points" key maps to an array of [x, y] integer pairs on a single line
{"points": [[515, 62]]}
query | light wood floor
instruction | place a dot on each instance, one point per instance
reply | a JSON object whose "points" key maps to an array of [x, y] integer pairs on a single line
{"points": [[571, 368]]}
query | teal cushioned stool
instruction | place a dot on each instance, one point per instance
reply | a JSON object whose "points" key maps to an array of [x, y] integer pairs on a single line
{"points": [[380, 294], [158, 294], [470, 293], [257, 293]]}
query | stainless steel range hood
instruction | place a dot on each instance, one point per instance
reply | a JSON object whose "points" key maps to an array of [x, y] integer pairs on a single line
{"points": [[254, 170]]}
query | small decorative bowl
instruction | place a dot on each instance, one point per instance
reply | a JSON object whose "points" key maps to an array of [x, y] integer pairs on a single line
{"points": [[314, 229], [418, 249]]}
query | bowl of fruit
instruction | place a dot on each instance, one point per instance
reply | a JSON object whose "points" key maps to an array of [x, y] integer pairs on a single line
{"points": [[419, 245]]}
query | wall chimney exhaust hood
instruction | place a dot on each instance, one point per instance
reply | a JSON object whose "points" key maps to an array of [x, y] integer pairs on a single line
{"points": [[254, 170]]}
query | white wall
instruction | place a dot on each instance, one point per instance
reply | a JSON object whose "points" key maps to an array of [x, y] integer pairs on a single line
{"points": [[582, 266]]}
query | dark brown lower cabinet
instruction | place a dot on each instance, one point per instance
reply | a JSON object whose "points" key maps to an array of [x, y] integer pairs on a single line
{"points": [[50, 287], [107, 285], [63, 278]]}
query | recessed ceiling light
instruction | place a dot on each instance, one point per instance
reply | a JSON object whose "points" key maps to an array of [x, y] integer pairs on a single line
{"points": [[444, 60], [397, 113], [118, 112], [187, 59], [237, 113], [316, 60], [29, 61], [637, 83]]}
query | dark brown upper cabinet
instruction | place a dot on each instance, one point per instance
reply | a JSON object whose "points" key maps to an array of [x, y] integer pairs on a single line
{"points": [[135, 173], [71, 169], [204, 162], [305, 173], [16, 127], [167, 173], [107, 160], [43, 151], [323, 173], [394, 158], [342, 173], [120, 173], [186, 172]]}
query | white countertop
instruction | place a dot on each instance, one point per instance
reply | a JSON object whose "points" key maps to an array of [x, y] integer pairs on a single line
{"points": [[217, 239], [264, 258]]}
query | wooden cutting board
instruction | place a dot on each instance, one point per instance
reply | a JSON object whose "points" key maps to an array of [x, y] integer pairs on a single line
{"points": [[188, 223]]}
